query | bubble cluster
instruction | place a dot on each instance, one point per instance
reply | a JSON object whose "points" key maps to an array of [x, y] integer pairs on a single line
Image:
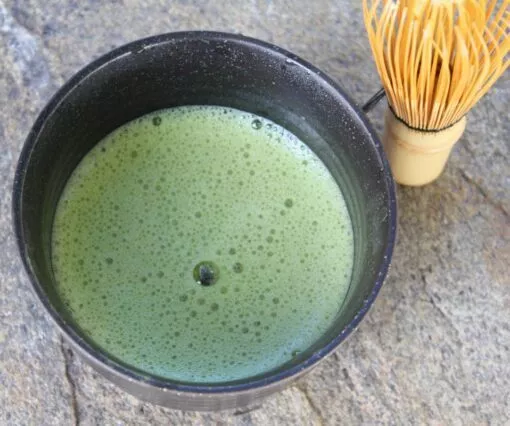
{"points": [[209, 186]]}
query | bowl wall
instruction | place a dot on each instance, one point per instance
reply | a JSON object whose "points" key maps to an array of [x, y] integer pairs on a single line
{"points": [[205, 68]]}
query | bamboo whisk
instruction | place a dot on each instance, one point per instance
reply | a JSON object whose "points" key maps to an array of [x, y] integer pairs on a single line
{"points": [[437, 58]]}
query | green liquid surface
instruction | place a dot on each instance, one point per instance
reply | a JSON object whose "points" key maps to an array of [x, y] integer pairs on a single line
{"points": [[173, 189]]}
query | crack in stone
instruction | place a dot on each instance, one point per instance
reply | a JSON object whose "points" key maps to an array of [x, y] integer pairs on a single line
{"points": [[242, 412], [67, 354], [440, 310], [348, 380], [445, 317], [483, 192], [301, 389]]}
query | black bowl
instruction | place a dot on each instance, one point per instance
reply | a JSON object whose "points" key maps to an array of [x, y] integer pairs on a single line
{"points": [[219, 69]]}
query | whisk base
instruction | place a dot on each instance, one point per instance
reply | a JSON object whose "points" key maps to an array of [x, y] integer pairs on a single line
{"points": [[418, 157]]}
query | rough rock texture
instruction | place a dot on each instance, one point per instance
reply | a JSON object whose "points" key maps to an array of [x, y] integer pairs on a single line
{"points": [[435, 346]]}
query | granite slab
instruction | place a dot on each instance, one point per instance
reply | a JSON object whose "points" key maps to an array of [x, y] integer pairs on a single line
{"points": [[435, 347]]}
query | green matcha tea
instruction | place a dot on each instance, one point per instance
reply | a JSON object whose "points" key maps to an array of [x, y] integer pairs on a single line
{"points": [[202, 244]]}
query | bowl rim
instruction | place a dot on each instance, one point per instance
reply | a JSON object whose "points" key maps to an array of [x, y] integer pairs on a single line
{"points": [[132, 375]]}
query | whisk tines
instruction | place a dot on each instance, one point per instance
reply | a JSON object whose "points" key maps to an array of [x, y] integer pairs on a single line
{"points": [[437, 58]]}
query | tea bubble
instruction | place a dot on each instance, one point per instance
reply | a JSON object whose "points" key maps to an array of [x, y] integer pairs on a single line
{"points": [[238, 267]]}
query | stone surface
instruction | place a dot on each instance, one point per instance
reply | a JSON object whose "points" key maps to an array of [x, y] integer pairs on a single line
{"points": [[435, 346]]}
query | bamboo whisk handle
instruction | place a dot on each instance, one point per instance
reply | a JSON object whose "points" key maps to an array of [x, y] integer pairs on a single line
{"points": [[418, 157]]}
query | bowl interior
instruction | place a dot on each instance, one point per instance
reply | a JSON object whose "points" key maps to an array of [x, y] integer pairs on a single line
{"points": [[214, 69]]}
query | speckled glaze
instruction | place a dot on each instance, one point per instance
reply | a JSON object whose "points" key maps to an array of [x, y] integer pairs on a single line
{"points": [[218, 69]]}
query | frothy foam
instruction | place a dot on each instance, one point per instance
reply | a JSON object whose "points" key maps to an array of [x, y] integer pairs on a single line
{"points": [[197, 184]]}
